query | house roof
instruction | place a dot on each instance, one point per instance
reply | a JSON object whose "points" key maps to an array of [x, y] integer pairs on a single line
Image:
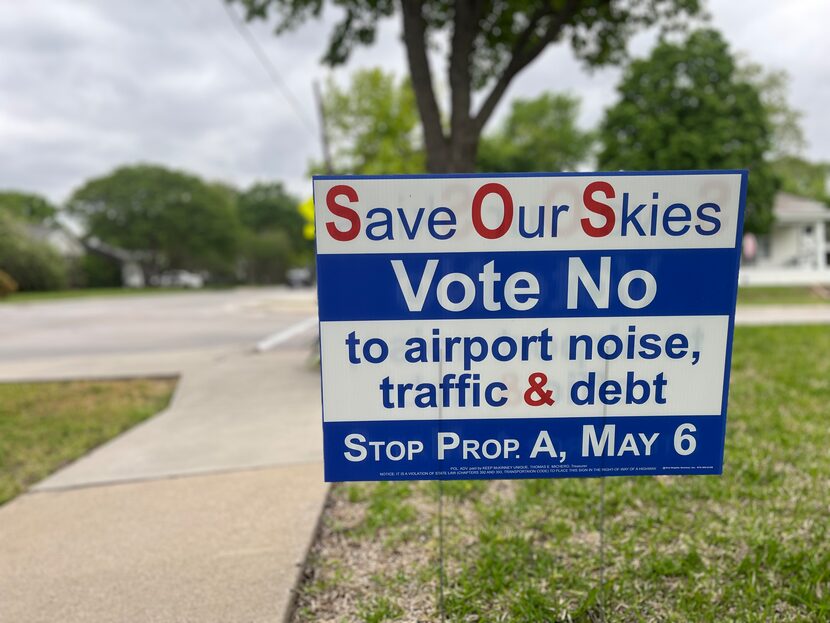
{"points": [[789, 208], [56, 237]]}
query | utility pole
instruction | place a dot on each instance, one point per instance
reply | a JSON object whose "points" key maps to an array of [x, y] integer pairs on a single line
{"points": [[324, 132]]}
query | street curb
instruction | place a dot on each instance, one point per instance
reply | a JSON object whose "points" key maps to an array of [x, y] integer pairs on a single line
{"points": [[303, 566]]}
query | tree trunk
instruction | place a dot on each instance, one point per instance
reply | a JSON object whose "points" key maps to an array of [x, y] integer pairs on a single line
{"points": [[414, 36], [463, 149], [457, 152], [463, 139]]}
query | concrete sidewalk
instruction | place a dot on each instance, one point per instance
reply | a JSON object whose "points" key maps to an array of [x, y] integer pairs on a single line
{"points": [[203, 513], [216, 548], [770, 315], [241, 412]]}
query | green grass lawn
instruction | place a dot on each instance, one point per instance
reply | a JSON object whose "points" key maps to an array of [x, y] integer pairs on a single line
{"points": [[59, 295], [783, 296], [46, 425], [751, 545]]}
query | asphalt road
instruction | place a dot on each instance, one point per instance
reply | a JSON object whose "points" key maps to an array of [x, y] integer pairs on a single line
{"points": [[159, 334], [140, 334]]}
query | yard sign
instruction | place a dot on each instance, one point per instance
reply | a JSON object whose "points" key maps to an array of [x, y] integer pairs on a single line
{"points": [[526, 326]]}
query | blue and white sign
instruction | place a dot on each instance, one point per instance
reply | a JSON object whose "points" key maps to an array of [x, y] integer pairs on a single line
{"points": [[526, 326]]}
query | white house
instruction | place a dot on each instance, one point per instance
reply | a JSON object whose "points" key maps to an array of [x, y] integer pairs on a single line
{"points": [[58, 238], [797, 249], [71, 246]]}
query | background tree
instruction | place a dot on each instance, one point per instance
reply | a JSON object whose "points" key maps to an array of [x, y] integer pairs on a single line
{"points": [[797, 174], [490, 43], [27, 206], [373, 125], [804, 178], [32, 265], [267, 205], [376, 130], [538, 134], [773, 86], [266, 256], [272, 240], [687, 106], [182, 222]]}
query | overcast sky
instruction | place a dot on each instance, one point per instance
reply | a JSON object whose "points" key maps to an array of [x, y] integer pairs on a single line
{"points": [[87, 85]]}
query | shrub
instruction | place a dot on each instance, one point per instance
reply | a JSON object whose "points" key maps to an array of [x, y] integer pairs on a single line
{"points": [[266, 256], [98, 272], [7, 284], [32, 264]]}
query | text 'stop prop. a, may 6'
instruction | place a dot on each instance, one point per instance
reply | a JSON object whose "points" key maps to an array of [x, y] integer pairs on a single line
{"points": [[526, 326]]}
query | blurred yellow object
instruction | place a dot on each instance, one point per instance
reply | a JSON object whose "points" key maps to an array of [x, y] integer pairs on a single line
{"points": [[306, 209]]}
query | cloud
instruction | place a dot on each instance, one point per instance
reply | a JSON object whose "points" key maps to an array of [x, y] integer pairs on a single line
{"points": [[85, 87], [91, 86]]}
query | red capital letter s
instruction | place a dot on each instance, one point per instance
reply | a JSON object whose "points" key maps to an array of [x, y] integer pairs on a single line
{"points": [[343, 212], [596, 207]]}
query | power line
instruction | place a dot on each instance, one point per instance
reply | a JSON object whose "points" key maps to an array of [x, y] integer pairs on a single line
{"points": [[241, 27]]}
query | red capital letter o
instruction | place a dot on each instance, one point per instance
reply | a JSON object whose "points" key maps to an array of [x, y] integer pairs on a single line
{"points": [[507, 218]]}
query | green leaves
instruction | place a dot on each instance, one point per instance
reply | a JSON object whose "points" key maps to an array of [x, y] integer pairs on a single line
{"points": [[491, 42], [803, 178], [26, 206], [181, 221], [539, 134], [687, 106], [373, 125], [29, 263], [32, 264], [374, 130], [272, 241], [178, 221]]}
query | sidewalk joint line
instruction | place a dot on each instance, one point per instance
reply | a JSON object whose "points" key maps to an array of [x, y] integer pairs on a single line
{"points": [[275, 339], [173, 476]]}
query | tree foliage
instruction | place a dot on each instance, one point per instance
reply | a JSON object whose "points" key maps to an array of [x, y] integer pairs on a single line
{"points": [[539, 134], [177, 219], [266, 256], [31, 264], [373, 125], [95, 271], [804, 178], [27, 206], [267, 205], [787, 136], [687, 106], [273, 239], [490, 43]]}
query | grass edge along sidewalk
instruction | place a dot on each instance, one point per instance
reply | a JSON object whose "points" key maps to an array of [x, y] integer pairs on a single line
{"points": [[41, 296], [783, 295], [44, 426], [751, 545]]}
